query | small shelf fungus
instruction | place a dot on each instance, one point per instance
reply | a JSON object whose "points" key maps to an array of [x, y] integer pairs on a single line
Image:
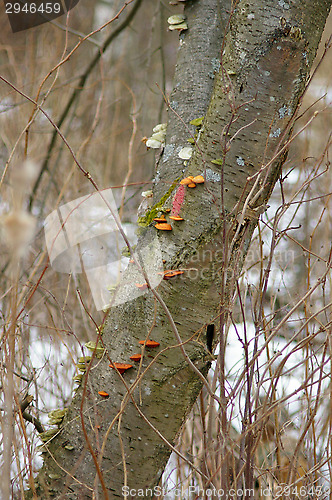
{"points": [[186, 153], [97, 348], [81, 367], [199, 179], [176, 217], [136, 357], [153, 143], [103, 394], [56, 416], [55, 421], [121, 367], [186, 181], [177, 22], [163, 226], [191, 181], [149, 343], [78, 378], [170, 273], [157, 139], [82, 363], [84, 359], [47, 435], [69, 447]]}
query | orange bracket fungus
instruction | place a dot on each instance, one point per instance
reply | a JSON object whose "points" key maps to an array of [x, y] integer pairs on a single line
{"points": [[103, 394], [121, 367], [149, 343], [199, 179], [176, 217], [191, 181], [136, 357], [186, 181], [170, 274], [163, 226]]}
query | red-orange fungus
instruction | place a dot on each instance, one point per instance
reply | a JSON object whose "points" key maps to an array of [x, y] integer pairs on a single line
{"points": [[149, 343], [163, 226], [121, 367], [103, 394], [170, 274], [136, 357], [176, 217]]}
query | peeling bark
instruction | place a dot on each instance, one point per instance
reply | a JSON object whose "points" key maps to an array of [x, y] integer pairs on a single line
{"points": [[252, 100]]}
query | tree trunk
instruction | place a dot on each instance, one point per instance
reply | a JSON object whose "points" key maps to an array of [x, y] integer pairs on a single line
{"points": [[249, 102]]}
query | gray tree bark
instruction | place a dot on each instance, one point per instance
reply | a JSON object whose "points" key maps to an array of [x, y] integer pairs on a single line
{"points": [[249, 102]]}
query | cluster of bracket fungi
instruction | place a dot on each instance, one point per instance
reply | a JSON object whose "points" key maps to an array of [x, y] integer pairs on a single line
{"points": [[123, 367]]}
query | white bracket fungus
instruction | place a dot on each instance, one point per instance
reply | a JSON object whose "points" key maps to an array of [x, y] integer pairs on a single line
{"points": [[157, 139], [185, 153]]}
